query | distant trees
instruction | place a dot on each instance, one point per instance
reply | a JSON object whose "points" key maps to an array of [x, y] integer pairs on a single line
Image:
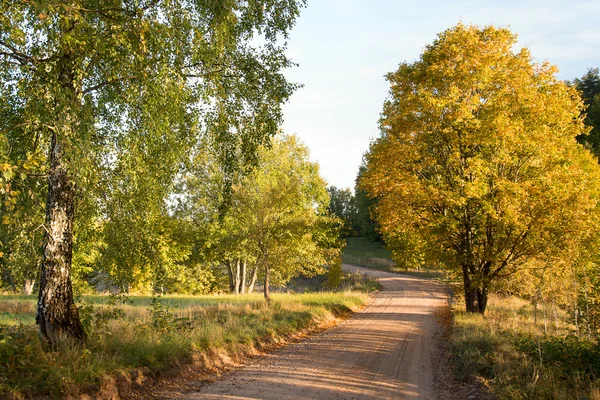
{"points": [[354, 209], [477, 168], [276, 225], [589, 87], [92, 91], [342, 205], [363, 221]]}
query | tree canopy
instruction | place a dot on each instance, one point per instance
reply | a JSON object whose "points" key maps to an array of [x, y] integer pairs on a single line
{"points": [[354, 210], [103, 97], [276, 226], [342, 205], [477, 168]]}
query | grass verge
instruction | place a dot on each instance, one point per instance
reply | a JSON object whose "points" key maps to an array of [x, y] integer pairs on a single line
{"points": [[520, 353], [153, 336]]}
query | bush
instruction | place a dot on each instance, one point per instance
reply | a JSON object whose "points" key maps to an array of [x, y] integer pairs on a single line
{"points": [[516, 357], [335, 275]]}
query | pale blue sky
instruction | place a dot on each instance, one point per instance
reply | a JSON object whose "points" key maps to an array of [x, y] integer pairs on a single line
{"points": [[345, 47]]}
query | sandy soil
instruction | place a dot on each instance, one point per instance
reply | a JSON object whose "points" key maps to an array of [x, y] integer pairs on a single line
{"points": [[383, 352]]}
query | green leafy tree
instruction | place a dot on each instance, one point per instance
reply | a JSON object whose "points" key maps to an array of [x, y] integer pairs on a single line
{"points": [[477, 168], [276, 225], [145, 247], [204, 198], [87, 81], [283, 203], [363, 222], [22, 187], [21, 235], [342, 205], [589, 86]]}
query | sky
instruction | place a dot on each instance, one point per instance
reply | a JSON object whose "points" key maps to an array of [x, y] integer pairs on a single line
{"points": [[345, 47]]}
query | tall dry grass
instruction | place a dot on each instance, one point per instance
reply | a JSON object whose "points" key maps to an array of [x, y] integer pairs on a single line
{"points": [[153, 334], [524, 352]]}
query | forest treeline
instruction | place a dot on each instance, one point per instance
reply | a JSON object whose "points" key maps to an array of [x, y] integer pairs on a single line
{"points": [[353, 208], [201, 236]]}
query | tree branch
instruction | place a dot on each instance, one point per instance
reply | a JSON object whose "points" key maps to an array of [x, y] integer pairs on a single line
{"points": [[23, 58], [130, 12], [107, 83]]}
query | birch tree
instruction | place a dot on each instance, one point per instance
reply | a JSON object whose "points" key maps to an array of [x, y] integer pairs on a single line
{"points": [[89, 80]]}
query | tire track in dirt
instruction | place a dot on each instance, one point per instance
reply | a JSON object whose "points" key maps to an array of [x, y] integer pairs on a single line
{"points": [[383, 352]]}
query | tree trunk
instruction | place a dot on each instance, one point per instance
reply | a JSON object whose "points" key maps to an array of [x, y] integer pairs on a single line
{"points": [[266, 286], [482, 299], [587, 303], [535, 308], [28, 286], [482, 292], [229, 275], [243, 284], [470, 293], [57, 314], [253, 280], [575, 300], [237, 279], [8, 276], [476, 298], [545, 319], [555, 315]]}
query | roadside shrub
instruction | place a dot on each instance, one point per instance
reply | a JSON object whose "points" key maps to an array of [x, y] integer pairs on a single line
{"points": [[516, 356], [334, 276], [573, 354]]}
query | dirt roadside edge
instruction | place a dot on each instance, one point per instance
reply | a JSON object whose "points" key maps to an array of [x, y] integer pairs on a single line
{"points": [[446, 385], [188, 375]]}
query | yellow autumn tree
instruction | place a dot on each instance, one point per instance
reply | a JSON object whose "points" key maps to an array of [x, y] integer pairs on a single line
{"points": [[477, 168]]}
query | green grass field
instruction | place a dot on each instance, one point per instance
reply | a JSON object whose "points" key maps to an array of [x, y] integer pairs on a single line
{"points": [[365, 247], [152, 334], [372, 254]]}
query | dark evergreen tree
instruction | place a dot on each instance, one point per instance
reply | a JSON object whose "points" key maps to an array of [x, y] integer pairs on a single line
{"points": [[589, 86]]}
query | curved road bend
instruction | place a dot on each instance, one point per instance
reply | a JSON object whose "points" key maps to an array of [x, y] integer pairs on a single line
{"points": [[382, 352]]}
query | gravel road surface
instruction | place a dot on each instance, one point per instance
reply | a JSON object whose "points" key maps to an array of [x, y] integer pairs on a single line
{"points": [[382, 352]]}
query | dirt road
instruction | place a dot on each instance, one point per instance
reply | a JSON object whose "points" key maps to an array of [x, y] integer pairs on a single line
{"points": [[383, 352]]}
